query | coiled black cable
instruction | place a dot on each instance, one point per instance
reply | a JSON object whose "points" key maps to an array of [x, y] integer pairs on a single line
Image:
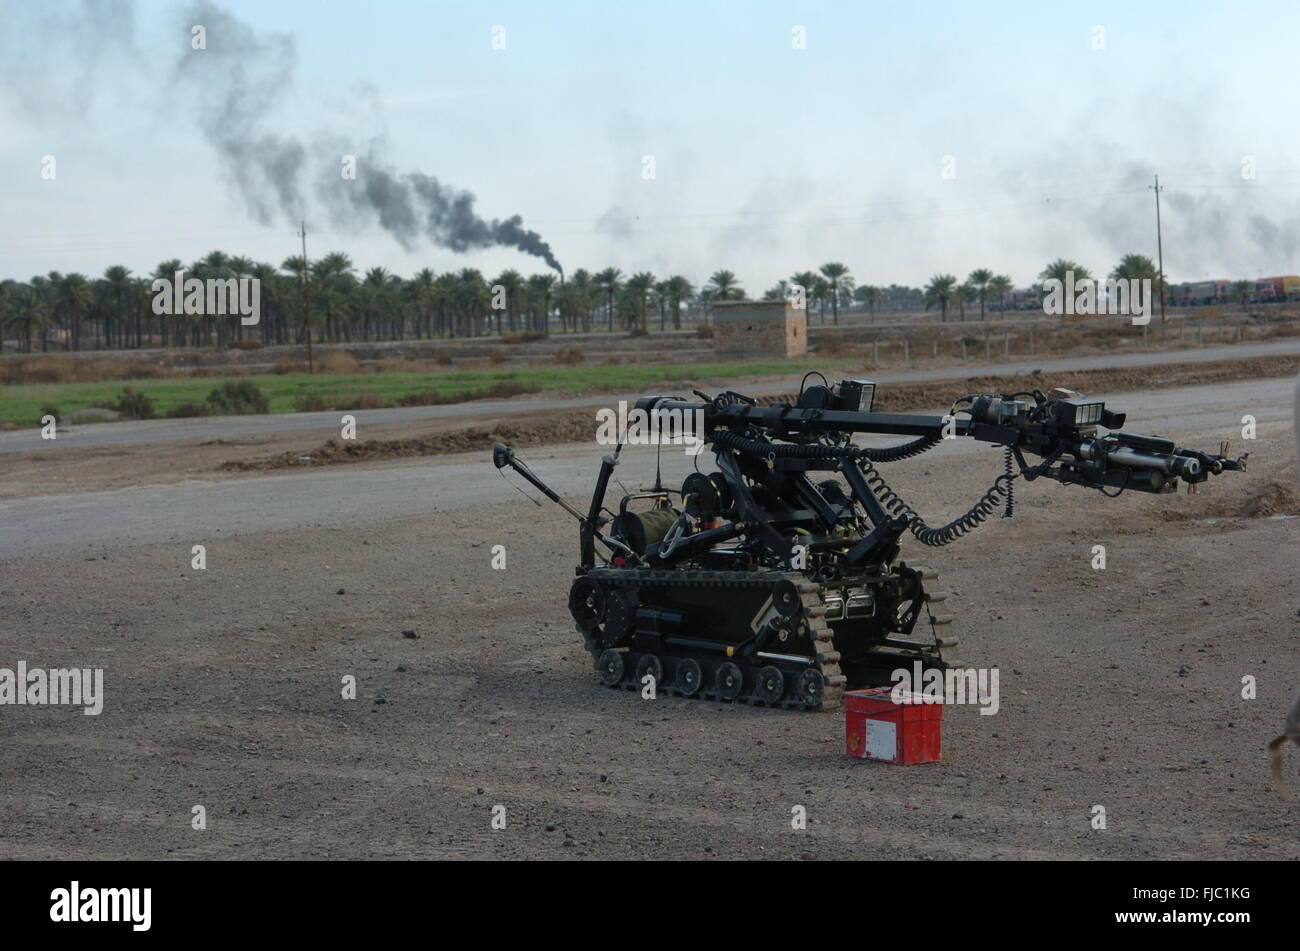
{"points": [[1008, 466], [963, 524], [979, 513]]}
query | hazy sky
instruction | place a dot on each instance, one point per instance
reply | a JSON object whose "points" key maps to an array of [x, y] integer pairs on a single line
{"points": [[767, 159]]}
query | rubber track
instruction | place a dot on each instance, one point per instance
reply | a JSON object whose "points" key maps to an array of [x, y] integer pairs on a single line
{"points": [[814, 612]]}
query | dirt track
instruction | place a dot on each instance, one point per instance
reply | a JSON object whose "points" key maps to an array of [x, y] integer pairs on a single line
{"points": [[1118, 688]]}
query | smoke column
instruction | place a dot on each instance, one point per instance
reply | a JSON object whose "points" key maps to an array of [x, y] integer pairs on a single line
{"points": [[236, 83]]}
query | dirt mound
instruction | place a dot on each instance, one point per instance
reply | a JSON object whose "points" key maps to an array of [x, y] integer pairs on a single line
{"points": [[1276, 498], [557, 428], [1236, 500]]}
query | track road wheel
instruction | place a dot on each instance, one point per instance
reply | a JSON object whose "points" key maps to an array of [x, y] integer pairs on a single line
{"points": [[689, 676], [586, 603], [770, 686], [785, 598], [730, 681], [811, 686], [610, 667], [649, 664]]}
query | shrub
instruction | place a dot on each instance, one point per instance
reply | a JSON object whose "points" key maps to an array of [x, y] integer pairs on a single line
{"points": [[337, 361], [570, 356], [442, 359], [49, 409], [638, 332], [240, 398], [133, 404], [187, 410], [310, 403], [704, 332]]}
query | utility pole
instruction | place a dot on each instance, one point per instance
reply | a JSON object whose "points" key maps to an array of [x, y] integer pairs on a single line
{"points": [[306, 297], [1160, 251]]}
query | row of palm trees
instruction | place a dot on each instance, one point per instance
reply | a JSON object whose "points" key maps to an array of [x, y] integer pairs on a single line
{"points": [[985, 287], [74, 312]]}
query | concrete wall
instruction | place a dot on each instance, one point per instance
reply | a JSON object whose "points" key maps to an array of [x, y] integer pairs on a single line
{"points": [[759, 329]]}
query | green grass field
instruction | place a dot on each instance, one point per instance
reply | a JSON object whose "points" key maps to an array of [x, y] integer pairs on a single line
{"points": [[22, 403]]}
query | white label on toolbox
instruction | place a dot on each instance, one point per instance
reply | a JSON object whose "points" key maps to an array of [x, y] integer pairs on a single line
{"points": [[882, 739]]}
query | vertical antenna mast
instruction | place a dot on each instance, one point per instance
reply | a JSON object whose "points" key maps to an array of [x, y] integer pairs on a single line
{"points": [[1160, 251], [306, 297]]}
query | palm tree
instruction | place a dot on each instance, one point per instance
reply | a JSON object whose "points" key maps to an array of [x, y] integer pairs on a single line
{"points": [[72, 297], [964, 294], [547, 284], [941, 289], [28, 313], [659, 294], [240, 267], [274, 293], [573, 300], [167, 270], [821, 291], [1000, 286], [582, 294], [472, 298], [419, 293], [678, 289], [979, 280], [445, 288], [119, 282], [724, 286], [808, 280], [512, 282], [608, 281], [640, 285], [1138, 267], [838, 281], [778, 291], [8, 291], [334, 276], [870, 295], [1060, 268], [371, 300], [1135, 267]]}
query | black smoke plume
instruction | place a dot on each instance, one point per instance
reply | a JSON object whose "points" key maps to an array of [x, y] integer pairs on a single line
{"points": [[238, 80]]}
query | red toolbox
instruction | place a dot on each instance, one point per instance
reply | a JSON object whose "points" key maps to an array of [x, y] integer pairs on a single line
{"points": [[875, 727]]}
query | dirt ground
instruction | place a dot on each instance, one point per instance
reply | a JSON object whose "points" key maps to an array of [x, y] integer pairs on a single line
{"points": [[1119, 688]]}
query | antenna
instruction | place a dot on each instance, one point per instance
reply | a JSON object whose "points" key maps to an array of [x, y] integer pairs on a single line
{"points": [[306, 297], [1160, 250]]}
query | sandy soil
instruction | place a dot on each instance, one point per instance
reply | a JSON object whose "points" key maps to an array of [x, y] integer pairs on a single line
{"points": [[1119, 688]]}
